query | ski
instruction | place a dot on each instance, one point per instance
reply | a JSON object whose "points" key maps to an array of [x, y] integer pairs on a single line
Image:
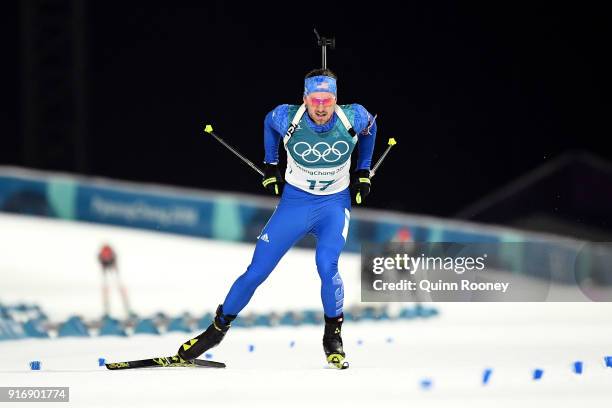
{"points": [[173, 361]]}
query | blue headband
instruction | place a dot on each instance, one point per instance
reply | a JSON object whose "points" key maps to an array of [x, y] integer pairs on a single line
{"points": [[320, 83]]}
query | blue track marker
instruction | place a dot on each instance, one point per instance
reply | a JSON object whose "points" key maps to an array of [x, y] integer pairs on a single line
{"points": [[251, 348], [35, 365], [426, 383], [101, 362], [608, 361], [537, 374], [486, 375], [578, 367]]}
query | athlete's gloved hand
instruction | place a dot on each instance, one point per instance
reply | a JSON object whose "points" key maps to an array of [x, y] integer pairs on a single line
{"points": [[272, 180], [360, 187]]}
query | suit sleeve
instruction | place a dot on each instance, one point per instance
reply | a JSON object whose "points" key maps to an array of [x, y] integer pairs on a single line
{"points": [[365, 126], [274, 125]]}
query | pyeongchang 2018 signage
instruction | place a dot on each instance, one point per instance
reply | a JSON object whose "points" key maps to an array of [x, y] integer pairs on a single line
{"points": [[169, 214]]}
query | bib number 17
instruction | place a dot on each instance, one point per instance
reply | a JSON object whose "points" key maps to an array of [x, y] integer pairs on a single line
{"points": [[323, 184]]}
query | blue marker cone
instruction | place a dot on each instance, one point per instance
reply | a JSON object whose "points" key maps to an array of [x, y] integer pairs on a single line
{"points": [[251, 348], [578, 366], [608, 361], [292, 344], [101, 362], [35, 365], [208, 356], [426, 384], [486, 375], [537, 374]]}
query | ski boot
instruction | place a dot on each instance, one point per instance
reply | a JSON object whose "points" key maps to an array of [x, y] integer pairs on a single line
{"points": [[208, 339], [332, 342]]}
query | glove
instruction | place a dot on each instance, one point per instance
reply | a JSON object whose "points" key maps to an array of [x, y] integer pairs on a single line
{"points": [[361, 185], [272, 181]]}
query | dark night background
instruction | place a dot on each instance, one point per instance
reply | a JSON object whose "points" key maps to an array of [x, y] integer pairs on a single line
{"points": [[476, 95]]}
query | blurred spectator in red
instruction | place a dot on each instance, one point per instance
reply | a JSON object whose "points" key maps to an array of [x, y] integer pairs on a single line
{"points": [[108, 260]]}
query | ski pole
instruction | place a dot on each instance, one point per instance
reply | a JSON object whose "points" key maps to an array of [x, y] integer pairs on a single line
{"points": [[209, 129], [390, 144]]}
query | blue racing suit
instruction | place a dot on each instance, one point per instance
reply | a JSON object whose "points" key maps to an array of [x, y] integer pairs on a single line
{"points": [[315, 200]]}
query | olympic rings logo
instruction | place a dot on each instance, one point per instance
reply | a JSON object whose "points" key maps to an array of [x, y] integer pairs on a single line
{"points": [[321, 150]]}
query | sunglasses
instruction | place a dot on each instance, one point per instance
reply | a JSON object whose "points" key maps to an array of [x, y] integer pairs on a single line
{"points": [[320, 101]]}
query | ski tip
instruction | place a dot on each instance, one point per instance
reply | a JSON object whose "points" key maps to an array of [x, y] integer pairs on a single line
{"points": [[208, 363]]}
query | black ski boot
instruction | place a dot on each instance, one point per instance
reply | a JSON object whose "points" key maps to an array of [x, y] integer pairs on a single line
{"points": [[210, 338], [332, 342]]}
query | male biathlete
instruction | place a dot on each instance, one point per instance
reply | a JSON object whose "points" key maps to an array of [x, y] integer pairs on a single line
{"points": [[319, 137]]}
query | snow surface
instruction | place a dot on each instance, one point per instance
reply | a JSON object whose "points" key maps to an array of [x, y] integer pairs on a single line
{"points": [[53, 263], [388, 362]]}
